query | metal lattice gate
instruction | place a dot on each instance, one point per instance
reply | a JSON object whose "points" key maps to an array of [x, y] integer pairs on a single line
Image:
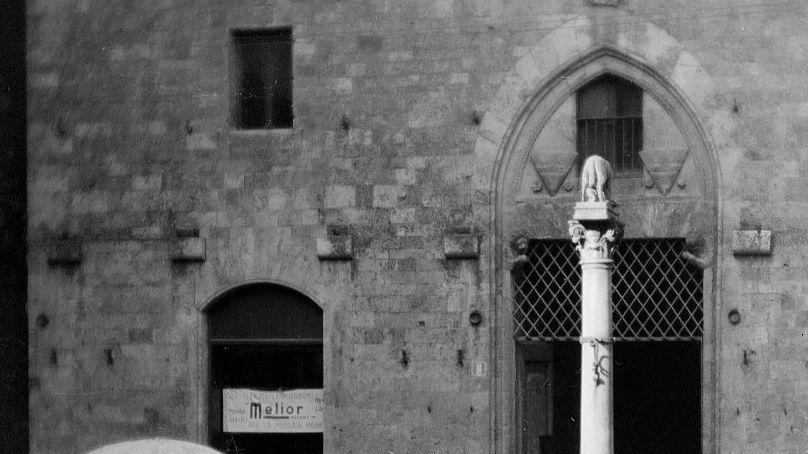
{"points": [[657, 295]]}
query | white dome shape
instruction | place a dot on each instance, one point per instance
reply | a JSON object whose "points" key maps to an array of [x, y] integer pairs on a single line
{"points": [[154, 446]]}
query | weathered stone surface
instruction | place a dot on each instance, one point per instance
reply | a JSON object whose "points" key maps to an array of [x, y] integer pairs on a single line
{"points": [[144, 142], [335, 247], [461, 246], [65, 252], [595, 211], [188, 250], [752, 242]]}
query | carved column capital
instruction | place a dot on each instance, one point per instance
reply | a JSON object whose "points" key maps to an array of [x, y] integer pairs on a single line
{"points": [[596, 240]]}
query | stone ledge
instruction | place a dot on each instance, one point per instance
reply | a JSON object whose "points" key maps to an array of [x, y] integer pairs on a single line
{"points": [[335, 247], [595, 211], [461, 246], [188, 250], [752, 242], [65, 252]]}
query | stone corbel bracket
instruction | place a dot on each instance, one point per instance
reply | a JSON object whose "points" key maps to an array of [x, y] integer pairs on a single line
{"points": [[65, 253], [698, 251], [520, 246], [461, 246], [335, 247], [752, 242], [695, 260], [187, 250]]}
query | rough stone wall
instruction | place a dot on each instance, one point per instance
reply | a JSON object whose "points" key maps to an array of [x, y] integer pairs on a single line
{"points": [[129, 149], [762, 362]]}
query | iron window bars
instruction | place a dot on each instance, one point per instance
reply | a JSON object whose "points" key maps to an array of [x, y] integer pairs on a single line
{"points": [[657, 296], [609, 123]]}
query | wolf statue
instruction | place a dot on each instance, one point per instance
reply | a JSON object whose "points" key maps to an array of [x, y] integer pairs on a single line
{"points": [[596, 179]]}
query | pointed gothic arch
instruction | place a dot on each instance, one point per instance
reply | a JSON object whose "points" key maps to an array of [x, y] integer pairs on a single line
{"points": [[522, 110]]}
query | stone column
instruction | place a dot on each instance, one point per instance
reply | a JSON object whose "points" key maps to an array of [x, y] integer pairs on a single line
{"points": [[595, 230]]}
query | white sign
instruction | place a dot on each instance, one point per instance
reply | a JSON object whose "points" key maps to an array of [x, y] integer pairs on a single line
{"points": [[479, 368], [253, 411]]}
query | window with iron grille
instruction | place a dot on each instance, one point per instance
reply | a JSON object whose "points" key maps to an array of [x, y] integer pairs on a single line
{"points": [[263, 77], [656, 294], [609, 123]]}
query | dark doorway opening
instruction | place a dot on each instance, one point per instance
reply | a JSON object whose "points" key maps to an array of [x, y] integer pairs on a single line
{"points": [[264, 338], [266, 368], [548, 393], [657, 397]]}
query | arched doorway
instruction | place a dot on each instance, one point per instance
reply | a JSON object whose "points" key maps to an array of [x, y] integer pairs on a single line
{"points": [[668, 203], [266, 371]]}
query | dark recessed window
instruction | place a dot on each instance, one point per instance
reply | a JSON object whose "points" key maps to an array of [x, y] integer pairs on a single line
{"points": [[609, 123], [263, 79]]}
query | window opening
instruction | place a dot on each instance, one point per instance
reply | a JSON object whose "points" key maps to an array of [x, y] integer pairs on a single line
{"points": [[657, 295], [609, 123], [263, 74], [266, 340]]}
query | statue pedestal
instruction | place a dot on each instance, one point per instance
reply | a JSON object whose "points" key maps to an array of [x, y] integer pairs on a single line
{"points": [[595, 211]]}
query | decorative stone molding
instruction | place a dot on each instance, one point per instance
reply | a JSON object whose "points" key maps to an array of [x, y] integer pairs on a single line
{"points": [[552, 168], [604, 2], [595, 240], [752, 242], [553, 151], [188, 250], [65, 253], [335, 247], [520, 247], [664, 166], [461, 246]]}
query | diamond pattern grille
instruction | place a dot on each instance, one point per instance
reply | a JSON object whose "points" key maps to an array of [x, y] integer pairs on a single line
{"points": [[657, 295]]}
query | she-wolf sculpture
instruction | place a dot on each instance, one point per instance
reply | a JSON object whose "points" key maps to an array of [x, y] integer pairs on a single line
{"points": [[596, 179]]}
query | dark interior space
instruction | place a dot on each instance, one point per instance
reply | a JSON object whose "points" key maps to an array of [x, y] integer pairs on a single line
{"points": [[264, 311], [264, 367], [657, 399], [264, 59], [566, 398], [14, 322]]}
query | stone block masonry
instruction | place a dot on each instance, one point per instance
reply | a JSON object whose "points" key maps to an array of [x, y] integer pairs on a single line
{"points": [[399, 113]]}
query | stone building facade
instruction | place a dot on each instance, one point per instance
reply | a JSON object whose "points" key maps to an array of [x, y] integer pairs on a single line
{"points": [[433, 145]]}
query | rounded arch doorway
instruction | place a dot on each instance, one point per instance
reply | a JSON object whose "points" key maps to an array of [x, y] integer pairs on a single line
{"points": [[266, 371]]}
